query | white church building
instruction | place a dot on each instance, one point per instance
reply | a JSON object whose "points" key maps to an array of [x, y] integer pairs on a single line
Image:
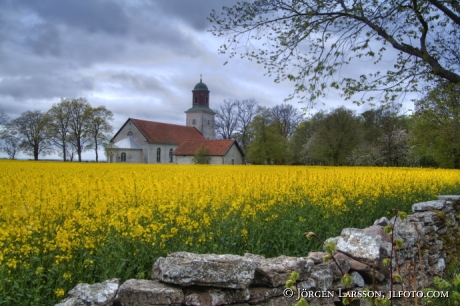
{"points": [[143, 141]]}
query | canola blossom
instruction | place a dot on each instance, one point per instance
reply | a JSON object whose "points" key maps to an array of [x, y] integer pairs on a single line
{"points": [[65, 223]]}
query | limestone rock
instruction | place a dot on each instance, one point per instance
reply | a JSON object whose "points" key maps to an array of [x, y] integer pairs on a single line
{"points": [[358, 280], [361, 267], [278, 301], [359, 244], [382, 221], [317, 257], [71, 302], [449, 197], [215, 296], [99, 294], [141, 292], [259, 294], [378, 230], [223, 271], [273, 272], [307, 284], [424, 217], [323, 276], [429, 205]]}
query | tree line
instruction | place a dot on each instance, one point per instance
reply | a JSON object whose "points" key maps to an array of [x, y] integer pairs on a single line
{"points": [[429, 137], [68, 128]]}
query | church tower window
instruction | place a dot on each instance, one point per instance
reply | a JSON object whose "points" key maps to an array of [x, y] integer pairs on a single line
{"points": [[196, 100], [194, 122], [158, 155]]}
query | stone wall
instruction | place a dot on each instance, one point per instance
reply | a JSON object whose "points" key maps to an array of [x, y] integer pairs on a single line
{"points": [[431, 240]]}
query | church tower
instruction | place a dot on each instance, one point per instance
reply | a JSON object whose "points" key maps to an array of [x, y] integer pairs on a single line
{"points": [[200, 115]]}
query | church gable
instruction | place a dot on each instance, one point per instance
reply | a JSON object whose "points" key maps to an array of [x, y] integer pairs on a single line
{"points": [[129, 130]]}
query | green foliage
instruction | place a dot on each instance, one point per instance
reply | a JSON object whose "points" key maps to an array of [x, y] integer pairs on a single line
{"points": [[267, 146], [347, 280], [436, 127], [453, 288], [201, 156], [335, 137], [291, 284]]}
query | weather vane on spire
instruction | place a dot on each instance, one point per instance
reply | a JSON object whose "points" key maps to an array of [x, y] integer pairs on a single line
{"points": [[201, 78]]}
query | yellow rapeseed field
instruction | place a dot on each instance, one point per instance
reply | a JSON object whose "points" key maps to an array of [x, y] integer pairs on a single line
{"points": [[64, 223]]}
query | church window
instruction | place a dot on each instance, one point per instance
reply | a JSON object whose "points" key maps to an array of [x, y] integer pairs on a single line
{"points": [[158, 155], [208, 122], [123, 156], [196, 100], [170, 155], [233, 161], [130, 133], [193, 121]]}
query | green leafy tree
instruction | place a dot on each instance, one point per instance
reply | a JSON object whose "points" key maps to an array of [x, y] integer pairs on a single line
{"points": [[386, 137], [201, 156], [436, 126], [267, 144], [302, 138], [335, 137], [310, 41]]}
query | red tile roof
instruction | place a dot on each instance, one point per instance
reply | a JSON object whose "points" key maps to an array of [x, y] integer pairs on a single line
{"points": [[166, 133], [215, 147]]}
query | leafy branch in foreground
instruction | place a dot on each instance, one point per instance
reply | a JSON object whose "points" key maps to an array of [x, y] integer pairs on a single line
{"points": [[310, 42]]}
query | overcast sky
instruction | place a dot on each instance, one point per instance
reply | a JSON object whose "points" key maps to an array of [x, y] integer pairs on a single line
{"points": [[138, 58]]}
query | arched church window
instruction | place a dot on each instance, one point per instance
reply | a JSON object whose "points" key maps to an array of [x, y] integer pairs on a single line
{"points": [[170, 155], [196, 100], [158, 155], [130, 133], [193, 121], [208, 122], [123, 156]]}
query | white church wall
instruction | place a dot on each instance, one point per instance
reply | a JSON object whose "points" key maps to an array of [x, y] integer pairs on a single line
{"points": [[164, 153], [233, 156], [132, 156]]}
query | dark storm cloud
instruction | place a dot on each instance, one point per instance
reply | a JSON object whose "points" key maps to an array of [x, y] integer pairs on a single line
{"points": [[194, 13], [44, 86]]}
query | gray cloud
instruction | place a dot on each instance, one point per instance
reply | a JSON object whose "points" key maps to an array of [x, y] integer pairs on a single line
{"points": [[39, 87], [90, 15], [194, 13]]}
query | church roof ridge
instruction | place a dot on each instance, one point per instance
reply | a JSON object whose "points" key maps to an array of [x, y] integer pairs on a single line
{"points": [[216, 147], [160, 132]]}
